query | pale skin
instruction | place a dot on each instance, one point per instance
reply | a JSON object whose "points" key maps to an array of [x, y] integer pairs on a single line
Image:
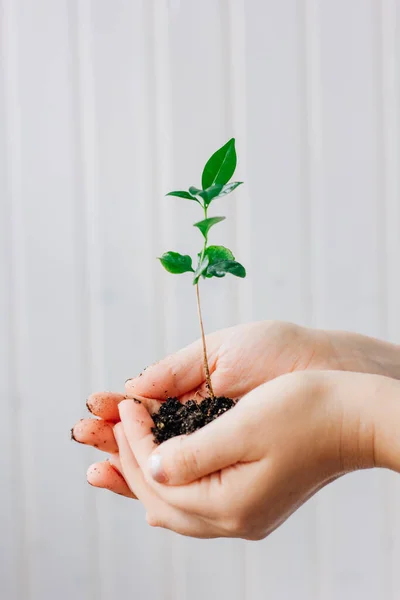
{"points": [[313, 406]]}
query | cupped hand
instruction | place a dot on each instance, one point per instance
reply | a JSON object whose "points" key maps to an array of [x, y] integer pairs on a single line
{"points": [[241, 358], [246, 472]]}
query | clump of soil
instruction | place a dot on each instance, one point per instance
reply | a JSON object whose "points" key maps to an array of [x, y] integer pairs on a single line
{"points": [[175, 418]]}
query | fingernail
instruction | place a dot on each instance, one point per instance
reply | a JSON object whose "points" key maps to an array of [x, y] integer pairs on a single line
{"points": [[73, 436], [156, 468]]}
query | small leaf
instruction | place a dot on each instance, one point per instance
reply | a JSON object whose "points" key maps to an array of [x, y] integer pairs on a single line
{"points": [[227, 266], [176, 263], [206, 224], [221, 166], [183, 194], [217, 191], [229, 188], [201, 268], [208, 194], [218, 253], [195, 191]]}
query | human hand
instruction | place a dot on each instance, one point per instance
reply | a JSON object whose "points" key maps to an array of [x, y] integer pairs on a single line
{"points": [[241, 358], [248, 471]]}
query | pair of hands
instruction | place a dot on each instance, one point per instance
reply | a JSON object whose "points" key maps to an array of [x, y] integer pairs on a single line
{"points": [[296, 428]]}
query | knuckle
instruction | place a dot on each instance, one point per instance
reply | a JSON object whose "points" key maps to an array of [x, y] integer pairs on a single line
{"points": [[307, 383], [255, 536], [130, 385], [187, 462], [153, 520], [237, 523]]}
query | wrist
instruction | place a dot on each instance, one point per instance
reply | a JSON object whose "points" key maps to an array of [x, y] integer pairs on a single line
{"points": [[362, 354], [370, 421], [382, 411]]}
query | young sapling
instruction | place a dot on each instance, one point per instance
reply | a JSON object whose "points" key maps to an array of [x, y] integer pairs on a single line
{"points": [[173, 417]]}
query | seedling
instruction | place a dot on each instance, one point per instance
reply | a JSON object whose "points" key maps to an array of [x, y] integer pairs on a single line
{"points": [[212, 261]]}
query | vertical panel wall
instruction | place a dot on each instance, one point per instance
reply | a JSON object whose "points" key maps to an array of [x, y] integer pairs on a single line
{"points": [[104, 107]]}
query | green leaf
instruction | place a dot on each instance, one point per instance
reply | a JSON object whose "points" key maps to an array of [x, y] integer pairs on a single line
{"points": [[195, 191], [218, 253], [226, 266], [221, 166], [208, 194], [183, 194], [176, 263], [229, 188], [214, 191], [206, 224], [201, 268]]}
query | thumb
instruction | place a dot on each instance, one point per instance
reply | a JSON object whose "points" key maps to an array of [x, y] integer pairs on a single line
{"points": [[182, 460], [176, 374]]}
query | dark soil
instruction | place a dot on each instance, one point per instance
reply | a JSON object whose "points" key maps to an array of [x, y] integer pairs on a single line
{"points": [[175, 418]]}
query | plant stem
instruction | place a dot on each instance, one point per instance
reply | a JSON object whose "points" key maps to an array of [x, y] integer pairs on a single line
{"points": [[203, 339], [205, 239]]}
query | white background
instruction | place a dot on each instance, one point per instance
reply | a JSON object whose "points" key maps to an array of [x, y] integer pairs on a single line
{"points": [[105, 105]]}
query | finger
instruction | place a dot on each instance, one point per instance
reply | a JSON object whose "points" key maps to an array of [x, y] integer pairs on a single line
{"points": [[131, 468], [105, 405], [222, 386], [115, 461], [159, 513], [184, 459], [104, 475], [177, 374], [95, 432], [137, 425], [152, 405]]}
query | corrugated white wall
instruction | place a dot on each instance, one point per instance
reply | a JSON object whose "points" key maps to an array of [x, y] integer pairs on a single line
{"points": [[104, 106]]}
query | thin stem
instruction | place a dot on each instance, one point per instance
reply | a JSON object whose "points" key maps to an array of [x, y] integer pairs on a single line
{"points": [[203, 338], [205, 238]]}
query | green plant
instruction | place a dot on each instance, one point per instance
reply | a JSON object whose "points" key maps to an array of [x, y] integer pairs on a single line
{"points": [[213, 261]]}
